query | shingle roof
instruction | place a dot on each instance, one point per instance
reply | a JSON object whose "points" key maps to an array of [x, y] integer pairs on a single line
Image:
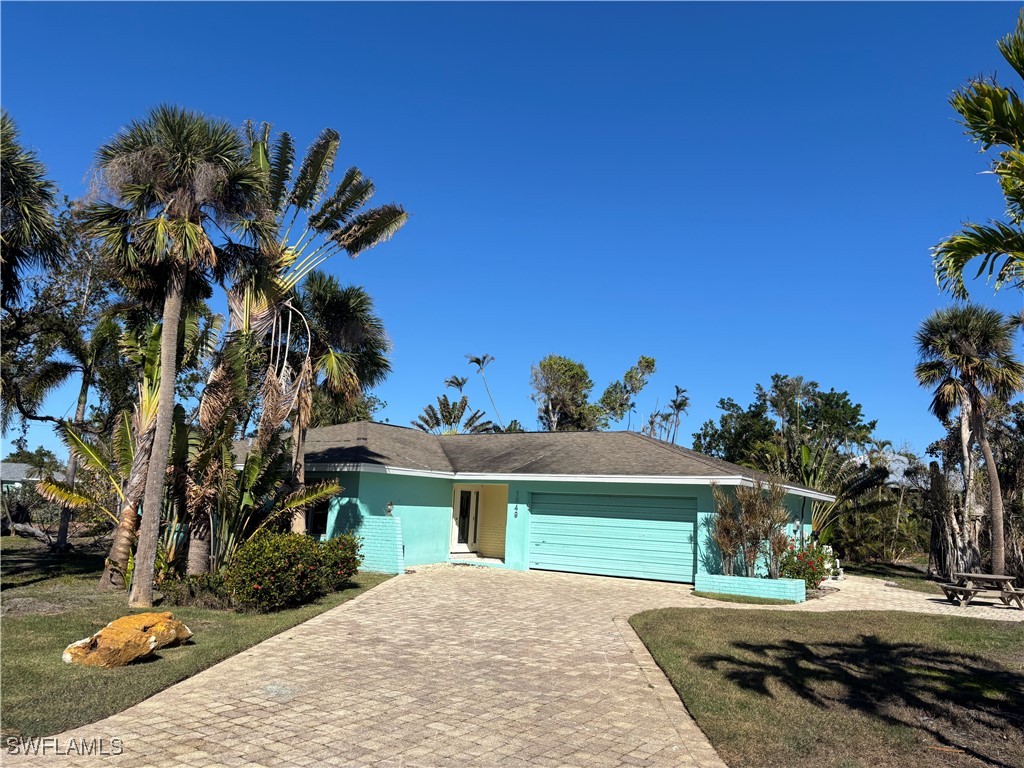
{"points": [[16, 472], [628, 454]]}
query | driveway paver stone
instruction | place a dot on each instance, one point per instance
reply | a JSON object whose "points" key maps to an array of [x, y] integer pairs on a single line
{"points": [[451, 666]]}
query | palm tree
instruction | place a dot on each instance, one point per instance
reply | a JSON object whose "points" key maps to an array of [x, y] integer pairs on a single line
{"points": [[174, 179], [676, 406], [447, 418], [966, 358], [347, 347], [991, 114], [28, 233], [481, 362]]}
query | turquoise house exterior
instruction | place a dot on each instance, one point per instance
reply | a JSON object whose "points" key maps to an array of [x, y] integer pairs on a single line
{"points": [[603, 503]]}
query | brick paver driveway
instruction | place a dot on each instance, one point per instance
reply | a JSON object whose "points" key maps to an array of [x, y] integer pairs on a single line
{"points": [[450, 666], [453, 666]]}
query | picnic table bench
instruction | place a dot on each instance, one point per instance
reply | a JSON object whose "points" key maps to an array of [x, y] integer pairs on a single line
{"points": [[971, 584]]}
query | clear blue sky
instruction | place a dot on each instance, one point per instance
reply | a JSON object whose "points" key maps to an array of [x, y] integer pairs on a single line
{"points": [[734, 189]]}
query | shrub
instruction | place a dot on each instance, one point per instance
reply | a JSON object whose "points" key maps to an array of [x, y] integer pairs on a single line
{"points": [[207, 590], [812, 563], [339, 561], [272, 571]]}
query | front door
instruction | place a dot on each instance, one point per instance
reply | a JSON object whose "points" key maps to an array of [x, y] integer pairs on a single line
{"points": [[465, 523]]}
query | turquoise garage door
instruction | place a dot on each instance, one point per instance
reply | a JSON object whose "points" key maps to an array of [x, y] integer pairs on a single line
{"points": [[640, 536]]}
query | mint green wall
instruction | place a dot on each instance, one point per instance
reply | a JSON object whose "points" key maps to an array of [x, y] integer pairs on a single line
{"points": [[424, 505], [425, 508]]}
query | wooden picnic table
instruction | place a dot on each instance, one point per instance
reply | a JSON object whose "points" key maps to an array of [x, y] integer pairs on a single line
{"points": [[970, 584]]}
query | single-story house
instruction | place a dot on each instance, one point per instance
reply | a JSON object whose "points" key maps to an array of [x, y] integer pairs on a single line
{"points": [[609, 503], [15, 475]]}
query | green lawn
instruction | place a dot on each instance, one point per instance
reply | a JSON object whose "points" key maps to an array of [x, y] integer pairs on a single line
{"points": [[50, 602], [845, 689], [906, 576]]}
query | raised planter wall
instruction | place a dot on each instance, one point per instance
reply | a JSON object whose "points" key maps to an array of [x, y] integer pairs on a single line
{"points": [[776, 589]]}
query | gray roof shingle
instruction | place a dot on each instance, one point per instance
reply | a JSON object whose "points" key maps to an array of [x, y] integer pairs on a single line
{"points": [[628, 454]]}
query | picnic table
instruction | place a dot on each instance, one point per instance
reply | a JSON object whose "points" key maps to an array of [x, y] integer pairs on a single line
{"points": [[968, 585]]}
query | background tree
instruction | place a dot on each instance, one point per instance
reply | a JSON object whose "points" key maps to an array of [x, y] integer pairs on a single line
{"points": [[619, 399], [481, 362], [561, 389], [966, 358], [453, 418], [993, 116]]}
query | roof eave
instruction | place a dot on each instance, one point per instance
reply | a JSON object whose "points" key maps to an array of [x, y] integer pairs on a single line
{"points": [[736, 480]]}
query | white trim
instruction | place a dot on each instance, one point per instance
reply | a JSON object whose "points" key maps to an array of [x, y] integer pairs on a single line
{"points": [[471, 477]]}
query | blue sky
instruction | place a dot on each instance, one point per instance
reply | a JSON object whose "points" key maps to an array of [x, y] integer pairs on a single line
{"points": [[733, 189]]}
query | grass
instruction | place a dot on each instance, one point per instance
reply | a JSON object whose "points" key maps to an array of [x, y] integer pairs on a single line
{"points": [[741, 598], [51, 601], [845, 689], [905, 576]]}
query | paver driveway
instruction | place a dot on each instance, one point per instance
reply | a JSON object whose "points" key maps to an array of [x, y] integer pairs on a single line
{"points": [[454, 666], [450, 666]]}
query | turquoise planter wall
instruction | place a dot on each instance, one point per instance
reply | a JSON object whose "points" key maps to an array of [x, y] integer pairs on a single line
{"points": [[794, 590]]}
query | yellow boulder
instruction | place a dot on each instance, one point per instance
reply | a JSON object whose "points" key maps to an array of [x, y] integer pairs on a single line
{"points": [[127, 639]]}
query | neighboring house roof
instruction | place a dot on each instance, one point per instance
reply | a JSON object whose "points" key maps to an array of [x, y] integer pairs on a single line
{"points": [[573, 456], [16, 472]]}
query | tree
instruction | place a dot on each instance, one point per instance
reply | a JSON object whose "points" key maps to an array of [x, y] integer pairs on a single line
{"points": [[449, 418], [561, 388], [741, 435], [481, 362], [993, 116], [618, 399], [966, 358], [176, 181], [29, 235]]}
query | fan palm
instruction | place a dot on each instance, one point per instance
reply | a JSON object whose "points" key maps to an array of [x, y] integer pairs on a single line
{"points": [[449, 418], [993, 116], [347, 347], [174, 180], [29, 234], [966, 358]]}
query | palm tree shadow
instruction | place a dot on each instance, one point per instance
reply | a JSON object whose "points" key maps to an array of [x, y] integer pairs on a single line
{"points": [[966, 697]]}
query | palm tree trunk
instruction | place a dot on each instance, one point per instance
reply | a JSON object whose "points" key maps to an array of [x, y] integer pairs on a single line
{"points": [[995, 491], [152, 503], [72, 470], [115, 568], [299, 470], [489, 397]]}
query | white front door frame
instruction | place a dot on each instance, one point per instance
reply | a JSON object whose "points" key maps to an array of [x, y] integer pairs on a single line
{"points": [[467, 539]]}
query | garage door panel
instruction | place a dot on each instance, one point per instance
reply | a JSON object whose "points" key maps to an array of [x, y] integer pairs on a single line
{"points": [[638, 536]]}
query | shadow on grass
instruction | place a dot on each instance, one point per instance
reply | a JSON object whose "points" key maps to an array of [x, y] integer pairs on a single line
{"points": [[24, 567], [957, 698], [885, 570]]}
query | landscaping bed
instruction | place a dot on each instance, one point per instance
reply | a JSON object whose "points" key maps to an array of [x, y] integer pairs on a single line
{"points": [[50, 601], [845, 689]]}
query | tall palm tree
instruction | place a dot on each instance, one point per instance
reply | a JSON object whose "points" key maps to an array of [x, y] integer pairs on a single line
{"points": [[992, 116], [481, 362], [29, 234], [677, 406], [177, 181], [966, 358]]}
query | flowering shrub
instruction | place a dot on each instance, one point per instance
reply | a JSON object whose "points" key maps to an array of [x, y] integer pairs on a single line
{"points": [[272, 571], [339, 561], [812, 563]]}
